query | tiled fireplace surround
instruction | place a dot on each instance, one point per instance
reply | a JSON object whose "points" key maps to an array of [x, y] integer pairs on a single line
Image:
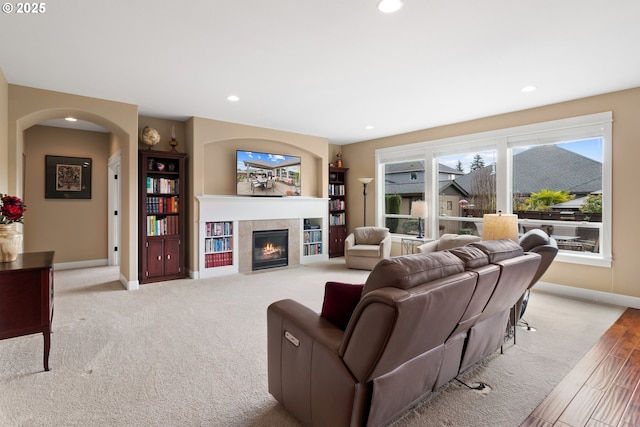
{"points": [[245, 237], [254, 213]]}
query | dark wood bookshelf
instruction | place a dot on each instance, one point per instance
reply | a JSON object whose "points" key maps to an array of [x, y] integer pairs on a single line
{"points": [[162, 204], [337, 210]]}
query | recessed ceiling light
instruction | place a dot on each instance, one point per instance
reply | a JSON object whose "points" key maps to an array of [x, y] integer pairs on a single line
{"points": [[71, 119], [527, 89], [389, 6], [369, 127], [233, 98]]}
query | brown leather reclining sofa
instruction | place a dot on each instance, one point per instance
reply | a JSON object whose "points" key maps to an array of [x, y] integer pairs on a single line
{"points": [[418, 321]]}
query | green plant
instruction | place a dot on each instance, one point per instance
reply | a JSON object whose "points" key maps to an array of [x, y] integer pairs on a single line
{"points": [[392, 204], [545, 198], [592, 204]]}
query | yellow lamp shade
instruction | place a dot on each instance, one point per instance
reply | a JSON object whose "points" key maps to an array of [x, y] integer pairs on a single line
{"points": [[500, 226]]}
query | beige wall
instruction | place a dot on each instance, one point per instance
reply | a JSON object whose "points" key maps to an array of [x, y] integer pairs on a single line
{"points": [[213, 145], [625, 105], [4, 134], [29, 106], [76, 229]]}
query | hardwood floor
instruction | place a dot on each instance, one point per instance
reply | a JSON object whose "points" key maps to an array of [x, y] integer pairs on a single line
{"points": [[604, 387]]}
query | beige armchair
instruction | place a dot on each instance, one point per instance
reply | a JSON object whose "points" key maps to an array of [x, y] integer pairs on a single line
{"points": [[366, 246], [448, 241]]}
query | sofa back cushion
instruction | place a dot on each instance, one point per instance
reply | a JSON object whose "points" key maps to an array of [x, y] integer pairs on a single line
{"points": [[499, 250], [471, 256], [449, 241], [405, 272], [370, 235]]}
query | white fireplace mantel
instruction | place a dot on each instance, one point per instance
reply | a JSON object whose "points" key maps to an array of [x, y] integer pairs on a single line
{"points": [[224, 208], [248, 213]]}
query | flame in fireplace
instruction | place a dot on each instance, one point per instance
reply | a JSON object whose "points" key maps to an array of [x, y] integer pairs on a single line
{"points": [[270, 250]]}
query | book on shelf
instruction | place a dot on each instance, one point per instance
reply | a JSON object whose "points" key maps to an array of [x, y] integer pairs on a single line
{"points": [[336, 189], [218, 244], [337, 219], [218, 259], [162, 226], [336, 205], [312, 236], [162, 185], [161, 204], [219, 228], [313, 249]]}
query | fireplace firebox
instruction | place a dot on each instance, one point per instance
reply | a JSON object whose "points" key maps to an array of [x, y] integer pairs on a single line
{"points": [[270, 249]]}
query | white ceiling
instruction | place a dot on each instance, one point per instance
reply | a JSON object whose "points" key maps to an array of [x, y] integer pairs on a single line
{"points": [[327, 68]]}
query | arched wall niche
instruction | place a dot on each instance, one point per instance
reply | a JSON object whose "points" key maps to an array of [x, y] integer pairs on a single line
{"points": [[29, 107]]}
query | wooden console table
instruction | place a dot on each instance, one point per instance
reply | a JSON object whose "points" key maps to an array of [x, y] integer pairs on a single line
{"points": [[26, 298]]}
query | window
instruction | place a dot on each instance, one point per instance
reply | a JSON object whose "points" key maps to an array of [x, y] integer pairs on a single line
{"points": [[463, 201], [400, 190], [553, 175]]}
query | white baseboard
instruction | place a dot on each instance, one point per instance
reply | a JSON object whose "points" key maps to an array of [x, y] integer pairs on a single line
{"points": [[80, 264], [132, 285], [588, 295]]}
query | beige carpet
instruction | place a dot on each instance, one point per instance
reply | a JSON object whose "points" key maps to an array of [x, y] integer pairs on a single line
{"points": [[193, 353]]}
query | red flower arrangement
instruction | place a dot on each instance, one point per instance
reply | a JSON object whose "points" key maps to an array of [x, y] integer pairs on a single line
{"points": [[12, 209]]}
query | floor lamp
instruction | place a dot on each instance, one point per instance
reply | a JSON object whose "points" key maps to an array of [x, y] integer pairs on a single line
{"points": [[419, 210], [364, 182]]}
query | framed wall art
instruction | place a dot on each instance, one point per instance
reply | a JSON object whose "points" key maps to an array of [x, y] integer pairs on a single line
{"points": [[67, 177]]}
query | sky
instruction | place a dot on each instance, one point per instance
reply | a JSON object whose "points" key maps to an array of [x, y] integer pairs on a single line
{"points": [[591, 148], [252, 155]]}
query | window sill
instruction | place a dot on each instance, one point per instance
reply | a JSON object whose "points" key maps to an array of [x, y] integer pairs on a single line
{"points": [[592, 260]]}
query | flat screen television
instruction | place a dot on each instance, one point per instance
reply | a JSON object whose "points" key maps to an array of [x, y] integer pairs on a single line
{"points": [[267, 174]]}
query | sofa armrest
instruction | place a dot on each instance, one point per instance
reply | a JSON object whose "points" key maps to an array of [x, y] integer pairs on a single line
{"points": [[288, 311], [305, 372], [385, 247], [350, 241], [428, 247]]}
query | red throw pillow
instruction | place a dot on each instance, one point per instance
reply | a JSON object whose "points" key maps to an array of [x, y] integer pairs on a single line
{"points": [[340, 299]]}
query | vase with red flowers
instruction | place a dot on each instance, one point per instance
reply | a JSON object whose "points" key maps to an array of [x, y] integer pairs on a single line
{"points": [[12, 211]]}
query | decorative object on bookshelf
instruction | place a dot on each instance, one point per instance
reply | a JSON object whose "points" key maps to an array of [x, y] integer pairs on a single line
{"points": [[149, 136], [337, 211], [173, 143], [162, 220], [339, 161], [67, 177]]}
